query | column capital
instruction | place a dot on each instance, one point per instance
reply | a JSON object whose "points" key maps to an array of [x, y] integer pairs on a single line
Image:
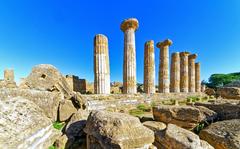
{"points": [[192, 56], [129, 23], [166, 42], [198, 63], [150, 42], [184, 54]]}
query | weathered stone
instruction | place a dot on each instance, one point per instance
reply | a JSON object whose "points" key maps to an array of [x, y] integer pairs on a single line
{"points": [[149, 67], [129, 26], [47, 101], [229, 92], [101, 65], [46, 77], [184, 71], [210, 91], [76, 84], [197, 77], [191, 72], [24, 125], [74, 129], [155, 126], [116, 130], [209, 115], [206, 145], [175, 137], [61, 142], [8, 81], [223, 134], [184, 116], [66, 110], [225, 111], [163, 67], [175, 73]]}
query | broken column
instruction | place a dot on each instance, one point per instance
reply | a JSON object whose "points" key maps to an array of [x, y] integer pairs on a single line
{"points": [[9, 75], [163, 69], [175, 73], [149, 67], [197, 77], [184, 71], [191, 72], [129, 26], [101, 65]]}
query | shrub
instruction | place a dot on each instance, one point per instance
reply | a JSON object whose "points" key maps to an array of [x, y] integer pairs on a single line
{"points": [[136, 112], [144, 108], [58, 125]]}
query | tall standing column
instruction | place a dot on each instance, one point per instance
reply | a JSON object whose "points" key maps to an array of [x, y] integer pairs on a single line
{"points": [[101, 65], [184, 72], [164, 66], [197, 77], [129, 27], [175, 73], [149, 67], [191, 72]]}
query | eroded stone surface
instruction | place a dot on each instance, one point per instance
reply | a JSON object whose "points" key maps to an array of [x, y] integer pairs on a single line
{"points": [[24, 125], [229, 92], [175, 137], [116, 130], [223, 134], [184, 116]]}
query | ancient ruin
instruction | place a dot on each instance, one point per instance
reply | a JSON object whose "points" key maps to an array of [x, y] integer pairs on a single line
{"points": [[129, 27], [164, 66], [175, 73], [76, 84], [197, 77], [191, 72], [149, 67], [184, 71], [101, 65], [55, 111]]}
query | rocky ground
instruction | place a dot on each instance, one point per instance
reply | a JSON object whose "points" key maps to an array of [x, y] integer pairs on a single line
{"points": [[43, 112]]}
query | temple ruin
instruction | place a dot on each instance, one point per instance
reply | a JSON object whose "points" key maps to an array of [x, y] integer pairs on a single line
{"points": [[101, 65], [149, 67], [129, 27]]}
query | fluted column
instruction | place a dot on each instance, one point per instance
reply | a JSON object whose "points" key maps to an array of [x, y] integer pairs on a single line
{"points": [[129, 27], [197, 77], [9, 75], [175, 73], [191, 72], [101, 65], [164, 66], [149, 67], [184, 71]]}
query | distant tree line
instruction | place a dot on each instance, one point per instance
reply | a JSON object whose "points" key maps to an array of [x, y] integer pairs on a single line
{"points": [[219, 80]]}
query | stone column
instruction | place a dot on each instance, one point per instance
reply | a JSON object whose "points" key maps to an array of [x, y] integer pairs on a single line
{"points": [[164, 65], [149, 67], [101, 65], [9, 75], [129, 27], [203, 88], [175, 73], [197, 77], [184, 72], [191, 72]]}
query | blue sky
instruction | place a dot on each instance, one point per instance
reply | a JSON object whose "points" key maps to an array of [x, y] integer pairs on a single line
{"points": [[61, 33]]}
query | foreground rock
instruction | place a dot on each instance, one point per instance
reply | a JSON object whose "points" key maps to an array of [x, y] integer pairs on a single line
{"points": [[116, 130], [47, 101], [229, 92], [223, 135], [24, 125], [175, 137], [225, 111], [184, 116]]}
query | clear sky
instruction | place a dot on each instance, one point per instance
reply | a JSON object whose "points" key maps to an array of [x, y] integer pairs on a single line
{"points": [[61, 33]]}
